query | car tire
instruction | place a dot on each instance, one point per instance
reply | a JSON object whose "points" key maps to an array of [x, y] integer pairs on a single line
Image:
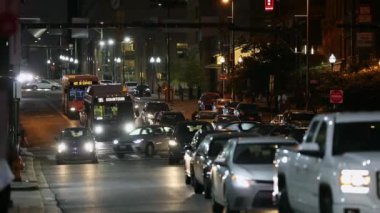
{"points": [[228, 210], [187, 180], [94, 160], [198, 188], [120, 155], [34, 87], [58, 161], [325, 202], [283, 202], [216, 207], [172, 160], [207, 188], [149, 150], [53, 88]]}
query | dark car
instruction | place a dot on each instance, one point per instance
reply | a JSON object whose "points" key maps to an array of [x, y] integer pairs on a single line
{"points": [[142, 91], [287, 131], [205, 155], [148, 140], [206, 101], [182, 136], [222, 120], [298, 119], [76, 144], [168, 118], [247, 112], [151, 108], [229, 108]]}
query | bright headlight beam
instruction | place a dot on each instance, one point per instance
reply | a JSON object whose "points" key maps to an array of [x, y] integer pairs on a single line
{"points": [[89, 147], [172, 143], [62, 147], [115, 142], [241, 181], [98, 129], [129, 127]]}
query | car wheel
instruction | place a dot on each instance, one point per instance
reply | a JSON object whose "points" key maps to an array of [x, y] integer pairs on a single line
{"points": [[149, 150], [198, 188], [325, 202], [228, 210], [207, 188], [187, 180], [119, 155], [53, 88], [172, 160], [58, 161], [283, 202], [34, 87], [94, 160]]}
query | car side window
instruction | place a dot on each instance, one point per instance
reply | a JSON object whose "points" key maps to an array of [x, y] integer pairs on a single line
{"points": [[135, 132], [45, 82], [321, 136], [310, 133], [146, 131]]}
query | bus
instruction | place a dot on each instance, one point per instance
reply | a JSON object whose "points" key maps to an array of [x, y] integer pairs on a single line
{"points": [[108, 111], [73, 90]]}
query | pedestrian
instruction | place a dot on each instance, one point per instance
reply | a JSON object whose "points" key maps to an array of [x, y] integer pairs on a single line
{"points": [[159, 90], [180, 92], [199, 92]]}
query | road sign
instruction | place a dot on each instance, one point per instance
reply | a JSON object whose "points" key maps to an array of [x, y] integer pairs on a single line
{"points": [[269, 5], [223, 76], [336, 96]]}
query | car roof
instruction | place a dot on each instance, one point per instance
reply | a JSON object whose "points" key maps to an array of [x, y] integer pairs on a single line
{"points": [[232, 134], [266, 139], [349, 117]]}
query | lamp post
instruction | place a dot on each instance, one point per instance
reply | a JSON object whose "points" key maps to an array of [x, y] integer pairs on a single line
{"points": [[332, 60], [127, 40], [222, 60], [111, 43], [153, 61]]}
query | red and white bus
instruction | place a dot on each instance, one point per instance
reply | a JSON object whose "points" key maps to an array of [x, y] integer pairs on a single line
{"points": [[74, 88]]}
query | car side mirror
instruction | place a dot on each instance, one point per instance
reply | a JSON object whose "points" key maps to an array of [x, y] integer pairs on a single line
{"points": [[310, 149], [220, 161]]}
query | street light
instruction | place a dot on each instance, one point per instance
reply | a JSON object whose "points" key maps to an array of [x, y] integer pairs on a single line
{"points": [[240, 60], [153, 61], [332, 60]]}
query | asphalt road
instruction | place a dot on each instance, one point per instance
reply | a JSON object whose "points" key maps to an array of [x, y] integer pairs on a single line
{"points": [[132, 184]]}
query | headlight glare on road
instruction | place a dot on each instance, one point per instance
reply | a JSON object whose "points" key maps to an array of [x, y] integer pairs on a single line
{"points": [[241, 181], [115, 142], [129, 127], [355, 181], [89, 147], [173, 143], [72, 109], [98, 129], [62, 147], [138, 141]]}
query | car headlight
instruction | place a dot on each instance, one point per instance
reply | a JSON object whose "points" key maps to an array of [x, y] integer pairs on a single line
{"points": [[220, 127], [72, 109], [62, 147], [173, 143], [355, 181], [149, 115], [89, 147], [98, 129], [241, 181], [138, 141], [136, 106], [115, 142], [129, 127]]}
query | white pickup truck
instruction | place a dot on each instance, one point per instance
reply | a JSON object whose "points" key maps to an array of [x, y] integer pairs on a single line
{"points": [[336, 168]]}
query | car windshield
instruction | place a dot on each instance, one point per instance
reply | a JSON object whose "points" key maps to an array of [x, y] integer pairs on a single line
{"points": [[76, 134], [157, 107], [188, 130], [113, 111], [302, 116], [210, 97], [172, 118], [256, 153], [216, 146], [76, 94], [356, 137]]}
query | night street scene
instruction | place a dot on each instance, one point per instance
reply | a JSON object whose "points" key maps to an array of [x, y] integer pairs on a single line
{"points": [[190, 106]]}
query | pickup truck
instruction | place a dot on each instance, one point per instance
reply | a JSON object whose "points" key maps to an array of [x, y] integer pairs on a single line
{"points": [[336, 168]]}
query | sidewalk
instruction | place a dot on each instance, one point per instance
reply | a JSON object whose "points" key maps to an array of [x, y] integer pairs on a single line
{"points": [[32, 193]]}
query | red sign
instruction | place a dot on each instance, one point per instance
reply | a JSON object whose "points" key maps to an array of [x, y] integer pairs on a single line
{"points": [[223, 76], [336, 96], [269, 5]]}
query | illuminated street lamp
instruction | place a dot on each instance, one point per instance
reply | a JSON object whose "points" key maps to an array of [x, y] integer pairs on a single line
{"points": [[48, 61], [102, 43], [332, 60], [240, 60], [153, 61], [111, 42]]}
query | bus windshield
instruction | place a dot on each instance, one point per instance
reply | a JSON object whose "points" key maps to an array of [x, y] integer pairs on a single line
{"points": [[113, 111], [76, 94]]}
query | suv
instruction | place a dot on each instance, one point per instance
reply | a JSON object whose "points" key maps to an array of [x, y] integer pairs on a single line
{"points": [[151, 108], [168, 118], [206, 101], [247, 112]]}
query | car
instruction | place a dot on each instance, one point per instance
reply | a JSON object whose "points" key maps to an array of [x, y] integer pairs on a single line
{"points": [[206, 115], [220, 103], [151, 108], [168, 118], [297, 118], [142, 91], [42, 84], [204, 156], [105, 82], [230, 107], [222, 120], [131, 86], [182, 136], [148, 140], [207, 99], [75, 144], [242, 174], [247, 112]]}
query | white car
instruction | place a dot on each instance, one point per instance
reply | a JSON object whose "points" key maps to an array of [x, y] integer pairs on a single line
{"points": [[131, 86], [42, 84], [242, 174]]}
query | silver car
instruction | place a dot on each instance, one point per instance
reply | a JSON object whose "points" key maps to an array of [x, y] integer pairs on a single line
{"points": [[242, 174]]}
